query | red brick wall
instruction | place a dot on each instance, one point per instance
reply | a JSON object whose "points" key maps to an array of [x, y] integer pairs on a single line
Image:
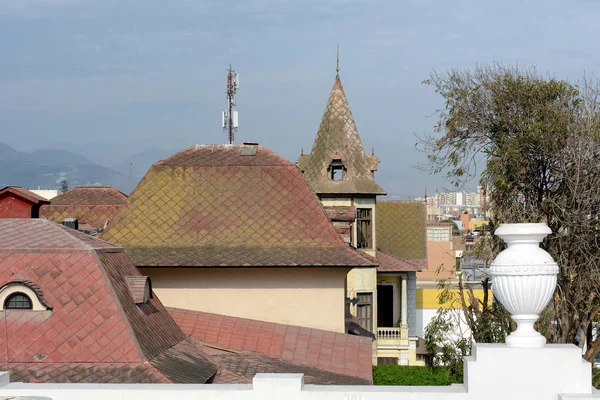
{"points": [[14, 207]]}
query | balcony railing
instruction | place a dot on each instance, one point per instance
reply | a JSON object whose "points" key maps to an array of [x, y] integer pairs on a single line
{"points": [[388, 333]]}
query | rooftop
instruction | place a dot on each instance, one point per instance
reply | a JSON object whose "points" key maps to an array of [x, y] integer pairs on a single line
{"points": [[93, 206], [88, 327], [324, 357], [213, 205], [24, 193]]}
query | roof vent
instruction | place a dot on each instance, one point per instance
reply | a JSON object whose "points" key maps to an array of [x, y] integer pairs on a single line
{"points": [[71, 223], [249, 149]]}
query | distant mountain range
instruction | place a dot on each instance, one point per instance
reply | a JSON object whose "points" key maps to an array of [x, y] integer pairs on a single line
{"points": [[45, 168]]}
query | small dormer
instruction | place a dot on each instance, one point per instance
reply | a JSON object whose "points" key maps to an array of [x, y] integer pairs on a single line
{"points": [[336, 170], [140, 288]]}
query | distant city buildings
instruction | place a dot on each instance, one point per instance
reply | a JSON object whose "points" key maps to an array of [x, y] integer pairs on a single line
{"points": [[449, 205]]}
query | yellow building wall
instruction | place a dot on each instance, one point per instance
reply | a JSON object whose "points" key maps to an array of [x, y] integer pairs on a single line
{"points": [[474, 224], [310, 297], [428, 298]]}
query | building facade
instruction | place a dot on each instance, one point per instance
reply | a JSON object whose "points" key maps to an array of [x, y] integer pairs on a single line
{"points": [[342, 176]]}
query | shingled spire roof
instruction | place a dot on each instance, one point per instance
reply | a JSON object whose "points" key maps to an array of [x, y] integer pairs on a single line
{"points": [[338, 140]]}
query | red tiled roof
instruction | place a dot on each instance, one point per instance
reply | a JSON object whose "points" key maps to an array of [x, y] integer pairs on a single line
{"points": [[18, 235], [95, 324], [240, 367], [331, 352], [211, 206], [90, 195], [389, 263], [25, 194], [91, 205]]}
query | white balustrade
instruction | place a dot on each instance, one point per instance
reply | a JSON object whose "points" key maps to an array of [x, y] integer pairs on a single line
{"points": [[389, 333]]}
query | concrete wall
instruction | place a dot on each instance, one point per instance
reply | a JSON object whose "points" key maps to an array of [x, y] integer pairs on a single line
{"points": [[310, 297], [493, 372], [438, 253]]}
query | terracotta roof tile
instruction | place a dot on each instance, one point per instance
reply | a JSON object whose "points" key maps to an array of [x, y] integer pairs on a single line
{"points": [[22, 235], [389, 263], [240, 367], [338, 138], [90, 195], [92, 205], [93, 215], [331, 352], [24, 193], [210, 206], [95, 329], [401, 229]]}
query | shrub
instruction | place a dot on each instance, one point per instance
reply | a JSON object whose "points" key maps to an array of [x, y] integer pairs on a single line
{"points": [[402, 375], [595, 378]]}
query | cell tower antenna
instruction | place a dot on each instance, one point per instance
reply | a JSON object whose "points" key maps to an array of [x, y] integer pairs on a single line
{"points": [[229, 118]]}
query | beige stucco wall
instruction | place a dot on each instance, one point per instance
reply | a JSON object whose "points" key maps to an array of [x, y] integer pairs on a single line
{"points": [[310, 297]]}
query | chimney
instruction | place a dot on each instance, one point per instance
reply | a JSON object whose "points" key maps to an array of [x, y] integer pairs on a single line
{"points": [[71, 223]]}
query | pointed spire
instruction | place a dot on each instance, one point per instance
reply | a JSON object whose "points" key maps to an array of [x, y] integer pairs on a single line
{"points": [[338, 140], [337, 67]]}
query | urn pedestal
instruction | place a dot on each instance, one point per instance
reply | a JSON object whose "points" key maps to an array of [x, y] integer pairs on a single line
{"points": [[524, 279]]}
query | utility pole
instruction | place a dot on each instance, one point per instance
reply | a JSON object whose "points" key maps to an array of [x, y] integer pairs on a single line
{"points": [[229, 119]]}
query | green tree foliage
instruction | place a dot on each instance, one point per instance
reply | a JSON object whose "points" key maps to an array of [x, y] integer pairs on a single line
{"points": [[539, 141], [403, 375]]}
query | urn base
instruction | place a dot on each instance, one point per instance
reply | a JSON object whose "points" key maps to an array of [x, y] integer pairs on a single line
{"points": [[525, 335]]}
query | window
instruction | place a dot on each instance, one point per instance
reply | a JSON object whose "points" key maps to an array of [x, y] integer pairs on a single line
{"points": [[364, 229], [336, 170], [23, 295], [17, 301], [364, 310], [439, 234]]}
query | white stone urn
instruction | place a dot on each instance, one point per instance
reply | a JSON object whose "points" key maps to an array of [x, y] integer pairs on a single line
{"points": [[524, 279]]}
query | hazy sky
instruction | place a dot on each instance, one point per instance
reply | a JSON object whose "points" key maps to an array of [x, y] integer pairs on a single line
{"points": [[136, 74]]}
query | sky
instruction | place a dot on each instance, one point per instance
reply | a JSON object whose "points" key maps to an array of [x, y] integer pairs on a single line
{"points": [[112, 78]]}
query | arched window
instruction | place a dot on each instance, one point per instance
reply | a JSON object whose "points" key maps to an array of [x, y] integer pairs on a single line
{"points": [[18, 301]]}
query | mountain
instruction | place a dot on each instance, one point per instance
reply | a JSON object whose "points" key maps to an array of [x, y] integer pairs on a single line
{"points": [[46, 167]]}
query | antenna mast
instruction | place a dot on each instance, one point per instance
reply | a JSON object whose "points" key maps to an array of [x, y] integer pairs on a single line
{"points": [[229, 119]]}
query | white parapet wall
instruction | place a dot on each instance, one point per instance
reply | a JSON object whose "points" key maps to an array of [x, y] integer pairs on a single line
{"points": [[495, 371]]}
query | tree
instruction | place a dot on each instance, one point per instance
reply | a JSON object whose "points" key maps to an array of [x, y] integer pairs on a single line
{"points": [[539, 139], [64, 185]]}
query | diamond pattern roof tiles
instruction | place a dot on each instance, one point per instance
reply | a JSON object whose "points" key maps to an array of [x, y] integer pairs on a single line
{"points": [[92, 205], [338, 138], [389, 263], [401, 229], [210, 206], [90, 195], [19, 235], [94, 323]]}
